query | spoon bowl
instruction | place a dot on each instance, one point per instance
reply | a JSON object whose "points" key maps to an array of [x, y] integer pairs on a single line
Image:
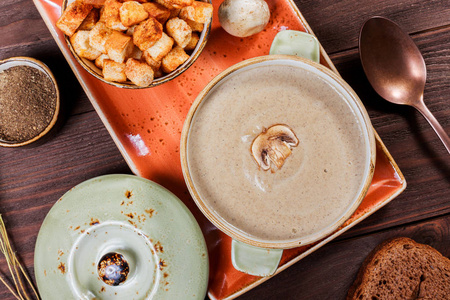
{"points": [[395, 67]]}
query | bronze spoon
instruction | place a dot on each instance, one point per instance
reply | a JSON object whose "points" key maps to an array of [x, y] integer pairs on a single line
{"points": [[395, 67]]}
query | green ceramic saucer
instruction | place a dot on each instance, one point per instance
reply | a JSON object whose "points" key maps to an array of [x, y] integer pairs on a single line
{"points": [[146, 229]]}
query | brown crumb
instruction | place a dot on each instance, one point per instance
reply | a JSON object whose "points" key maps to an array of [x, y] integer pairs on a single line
{"points": [[62, 267], [150, 212], [94, 222]]}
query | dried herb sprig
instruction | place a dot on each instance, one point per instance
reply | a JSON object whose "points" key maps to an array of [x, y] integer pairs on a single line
{"points": [[16, 270]]}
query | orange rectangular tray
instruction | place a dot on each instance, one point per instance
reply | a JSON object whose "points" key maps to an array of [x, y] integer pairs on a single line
{"points": [[146, 127]]}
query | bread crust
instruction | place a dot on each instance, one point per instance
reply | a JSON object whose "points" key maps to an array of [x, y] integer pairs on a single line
{"points": [[147, 33], [401, 268], [157, 11], [180, 31], [73, 16], [132, 13], [200, 12], [176, 57]]}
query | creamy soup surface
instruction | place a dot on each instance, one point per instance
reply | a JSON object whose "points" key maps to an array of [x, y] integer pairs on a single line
{"points": [[317, 181]]}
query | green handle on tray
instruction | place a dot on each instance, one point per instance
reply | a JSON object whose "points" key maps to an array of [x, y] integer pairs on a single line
{"points": [[299, 43], [254, 260], [246, 258]]}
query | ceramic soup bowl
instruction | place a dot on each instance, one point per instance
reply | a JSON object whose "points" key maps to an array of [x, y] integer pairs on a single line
{"points": [[277, 152]]}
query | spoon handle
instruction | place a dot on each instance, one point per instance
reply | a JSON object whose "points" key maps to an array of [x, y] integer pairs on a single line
{"points": [[423, 109]]}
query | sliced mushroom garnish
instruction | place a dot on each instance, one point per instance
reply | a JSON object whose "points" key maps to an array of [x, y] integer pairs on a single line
{"points": [[272, 146]]}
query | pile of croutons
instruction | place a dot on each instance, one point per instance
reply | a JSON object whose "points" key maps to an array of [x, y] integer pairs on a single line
{"points": [[135, 40]]}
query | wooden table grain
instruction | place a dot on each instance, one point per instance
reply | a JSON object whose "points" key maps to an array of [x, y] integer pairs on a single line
{"points": [[33, 178]]}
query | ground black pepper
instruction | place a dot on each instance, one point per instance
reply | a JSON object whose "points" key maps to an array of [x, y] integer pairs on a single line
{"points": [[27, 103]]}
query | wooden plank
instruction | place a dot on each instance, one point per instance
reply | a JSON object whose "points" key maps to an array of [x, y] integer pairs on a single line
{"points": [[337, 23], [424, 161], [329, 272], [33, 178]]}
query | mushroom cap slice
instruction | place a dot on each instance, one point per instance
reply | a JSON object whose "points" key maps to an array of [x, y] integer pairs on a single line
{"points": [[272, 146]]}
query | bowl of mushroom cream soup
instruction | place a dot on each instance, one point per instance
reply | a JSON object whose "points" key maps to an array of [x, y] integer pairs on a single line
{"points": [[277, 152]]}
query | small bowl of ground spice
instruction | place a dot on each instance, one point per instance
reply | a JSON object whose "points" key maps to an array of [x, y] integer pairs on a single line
{"points": [[29, 101]]}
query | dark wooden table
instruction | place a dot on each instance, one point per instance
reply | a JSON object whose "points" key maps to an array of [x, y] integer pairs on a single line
{"points": [[33, 178]]}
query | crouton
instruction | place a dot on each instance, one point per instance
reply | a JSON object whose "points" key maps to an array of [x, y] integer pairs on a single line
{"points": [[73, 16], [90, 21], [147, 33], [161, 47], [102, 15], [95, 3], [157, 11], [200, 12], [111, 15], [156, 65], [192, 43], [100, 60], [165, 3], [174, 13], [176, 57], [136, 53], [80, 43], [179, 30], [180, 3], [138, 72], [114, 71], [98, 36], [195, 26], [132, 13], [158, 73], [118, 46], [131, 30]]}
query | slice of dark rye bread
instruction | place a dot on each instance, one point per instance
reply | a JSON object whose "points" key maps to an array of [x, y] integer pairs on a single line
{"points": [[400, 268]]}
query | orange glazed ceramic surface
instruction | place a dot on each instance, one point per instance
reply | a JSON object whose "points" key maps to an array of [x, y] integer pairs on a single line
{"points": [[146, 127]]}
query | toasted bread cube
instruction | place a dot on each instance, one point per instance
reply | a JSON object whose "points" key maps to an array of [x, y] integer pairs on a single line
{"points": [[80, 43], [158, 73], [200, 12], [180, 3], [165, 3], [195, 26], [98, 36], [73, 16], [90, 21], [173, 59], [157, 11], [111, 15], [100, 60], [156, 65], [136, 53], [114, 71], [95, 3], [193, 42], [132, 13], [102, 14], [161, 47], [174, 13], [179, 30], [119, 46], [131, 30], [138, 72], [147, 33]]}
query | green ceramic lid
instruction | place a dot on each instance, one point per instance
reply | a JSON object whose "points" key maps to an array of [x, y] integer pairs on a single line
{"points": [[120, 237]]}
